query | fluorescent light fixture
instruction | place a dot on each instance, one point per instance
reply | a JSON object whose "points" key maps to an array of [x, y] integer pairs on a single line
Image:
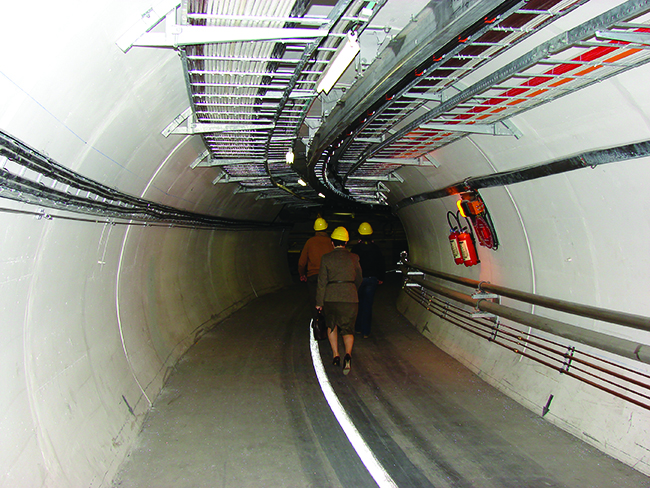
{"points": [[289, 156], [342, 59], [301, 182]]}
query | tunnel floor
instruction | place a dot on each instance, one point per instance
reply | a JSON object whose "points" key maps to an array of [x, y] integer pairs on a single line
{"points": [[244, 408]]}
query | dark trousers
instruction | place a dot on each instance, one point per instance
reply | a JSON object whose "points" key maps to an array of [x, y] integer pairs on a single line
{"points": [[366, 299], [312, 286]]}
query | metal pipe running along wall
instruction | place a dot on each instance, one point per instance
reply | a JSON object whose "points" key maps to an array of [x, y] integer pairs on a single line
{"points": [[589, 159], [621, 347], [615, 317], [609, 376]]}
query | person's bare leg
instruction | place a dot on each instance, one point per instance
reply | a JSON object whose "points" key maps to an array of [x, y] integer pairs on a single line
{"points": [[348, 340], [333, 337]]}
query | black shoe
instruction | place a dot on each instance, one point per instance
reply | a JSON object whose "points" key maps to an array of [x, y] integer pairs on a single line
{"points": [[336, 361], [347, 363]]}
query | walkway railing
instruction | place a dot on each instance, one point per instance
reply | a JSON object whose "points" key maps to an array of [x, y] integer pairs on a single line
{"points": [[485, 320]]}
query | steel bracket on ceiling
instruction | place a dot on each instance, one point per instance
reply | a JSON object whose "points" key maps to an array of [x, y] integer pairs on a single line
{"points": [[226, 178], [433, 97], [148, 21], [400, 161], [217, 163], [390, 177], [192, 127], [222, 178], [633, 37], [372, 140], [202, 157], [202, 128], [301, 204], [271, 196], [252, 189], [497, 129], [177, 121], [175, 34], [429, 160], [381, 187], [186, 35]]}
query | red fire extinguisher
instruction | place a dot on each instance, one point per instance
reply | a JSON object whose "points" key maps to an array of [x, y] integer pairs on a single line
{"points": [[455, 248], [467, 249]]}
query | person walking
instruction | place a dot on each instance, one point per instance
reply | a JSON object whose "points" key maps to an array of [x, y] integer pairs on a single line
{"points": [[373, 267], [310, 257], [338, 281]]}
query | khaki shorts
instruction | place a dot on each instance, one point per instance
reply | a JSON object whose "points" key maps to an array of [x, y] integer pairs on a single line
{"points": [[341, 314]]}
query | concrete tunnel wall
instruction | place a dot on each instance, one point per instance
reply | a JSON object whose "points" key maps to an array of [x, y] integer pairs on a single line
{"points": [[94, 315], [571, 236]]}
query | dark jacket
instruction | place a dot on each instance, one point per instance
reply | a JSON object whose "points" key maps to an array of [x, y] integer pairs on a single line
{"points": [[371, 259], [339, 277]]}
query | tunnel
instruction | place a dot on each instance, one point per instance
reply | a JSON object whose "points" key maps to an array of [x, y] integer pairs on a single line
{"points": [[163, 163]]}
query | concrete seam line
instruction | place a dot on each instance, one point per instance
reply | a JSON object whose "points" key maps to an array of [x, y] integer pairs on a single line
{"points": [[160, 167], [533, 275], [119, 319], [376, 470]]}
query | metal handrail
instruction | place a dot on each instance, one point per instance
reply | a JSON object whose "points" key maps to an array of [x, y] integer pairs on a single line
{"points": [[609, 376], [622, 347], [621, 318]]}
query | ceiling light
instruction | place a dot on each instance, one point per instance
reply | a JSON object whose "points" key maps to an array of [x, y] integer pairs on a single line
{"points": [[289, 156], [301, 182], [342, 59], [321, 195]]}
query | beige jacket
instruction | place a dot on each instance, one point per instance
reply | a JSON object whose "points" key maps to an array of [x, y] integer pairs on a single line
{"points": [[339, 278]]}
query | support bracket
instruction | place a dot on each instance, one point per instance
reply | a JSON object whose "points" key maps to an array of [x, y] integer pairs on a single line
{"points": [[176, 35], [496, 129], [217, 163], [633, 37], [192, 128], [202, 157], [148, 21], [390, 177], [226, 178]]}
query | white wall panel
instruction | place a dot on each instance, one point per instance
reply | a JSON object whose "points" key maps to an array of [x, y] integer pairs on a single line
{"points": [[71, 400], [95, 315], [579, 236], [19, 443]]}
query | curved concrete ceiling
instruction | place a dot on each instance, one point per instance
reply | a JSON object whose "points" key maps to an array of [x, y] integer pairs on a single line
{"points": [[152, 198]]}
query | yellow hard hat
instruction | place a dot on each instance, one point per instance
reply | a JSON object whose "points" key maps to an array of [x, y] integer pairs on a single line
{"points": [[340, 234], [320, 224], [365, 229]]}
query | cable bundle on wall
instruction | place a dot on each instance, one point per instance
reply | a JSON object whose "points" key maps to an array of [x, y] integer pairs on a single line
{"points": [[30, 177]]}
